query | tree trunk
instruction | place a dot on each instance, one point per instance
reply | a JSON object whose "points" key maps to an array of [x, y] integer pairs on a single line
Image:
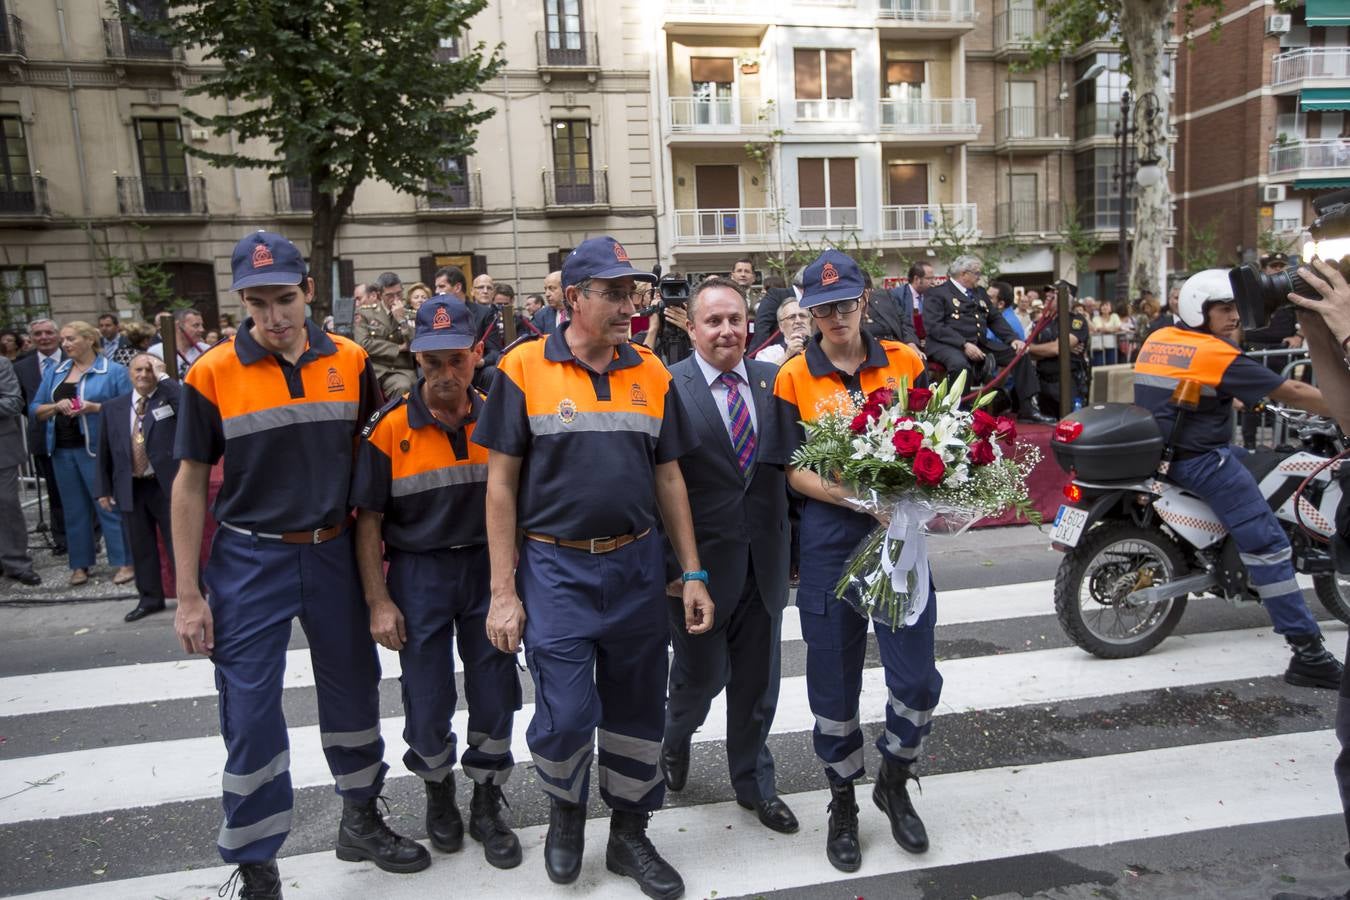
{"points": [[323, 234], [1145, 26]]}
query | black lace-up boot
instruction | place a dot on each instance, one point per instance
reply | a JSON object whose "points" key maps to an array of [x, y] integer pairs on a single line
{"points": [[363, 834], [841, 840], [630, 852], [565, 842], [445, 828], [891, 797], [256, 881], [1312, 664], [501, 848]]}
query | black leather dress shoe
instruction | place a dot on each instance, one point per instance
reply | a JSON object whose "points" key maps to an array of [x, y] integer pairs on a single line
{"points": [[675, 765], [29, 578], [141, 612], [773, 814], [1031, 412]]}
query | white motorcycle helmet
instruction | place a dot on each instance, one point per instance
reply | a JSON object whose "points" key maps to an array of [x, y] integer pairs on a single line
{"points": [[1201, 289]]}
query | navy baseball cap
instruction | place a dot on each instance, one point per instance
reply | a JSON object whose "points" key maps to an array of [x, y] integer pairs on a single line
{"points": [[834, 276], [266, 258], [443, 323], [600, 257]]}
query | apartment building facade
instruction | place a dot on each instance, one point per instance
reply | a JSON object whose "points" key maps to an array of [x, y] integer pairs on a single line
{"points": [[1264, 121], [96, 164]]}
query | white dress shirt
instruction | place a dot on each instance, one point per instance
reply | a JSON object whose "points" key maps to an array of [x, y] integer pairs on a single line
{"points": [[719, 391]]}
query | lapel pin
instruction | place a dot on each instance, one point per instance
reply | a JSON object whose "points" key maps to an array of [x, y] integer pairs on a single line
{"points": [[762, 384]]}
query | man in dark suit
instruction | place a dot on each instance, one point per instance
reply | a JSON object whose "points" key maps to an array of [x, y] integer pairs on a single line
{"points": [[891, 313], [13, 527], [30, 369], [136, 468], [956, 316], [738, 496], [554, 312]]}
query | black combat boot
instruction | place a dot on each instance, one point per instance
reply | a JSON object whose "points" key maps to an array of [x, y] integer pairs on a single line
{"points": [[257, 881], [500, 846], [445, 828], [1312, 664], [363, 834], [841, 841], [565, 841], [891, 797], [630, 852]]}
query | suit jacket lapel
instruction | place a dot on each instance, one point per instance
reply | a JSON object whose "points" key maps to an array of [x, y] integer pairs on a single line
{"points": [[697, 388]]}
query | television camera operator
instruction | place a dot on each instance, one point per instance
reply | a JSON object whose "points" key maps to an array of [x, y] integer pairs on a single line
{"points": [[668, 319]]}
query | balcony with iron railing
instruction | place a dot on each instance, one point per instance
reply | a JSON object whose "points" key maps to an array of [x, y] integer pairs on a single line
{"points": [[564, 51], [921, 118], [1326, 158], [698, 116], [825, 218], [1030, 127], [932, 18], [921, 223], [24, 196], [466, 196], [161, 195], [567, 189], [726, 226], [124, 42], [1014, 217], [1015, 30], [11, 36], [292, 196], [828, 111], [1311, 67]]}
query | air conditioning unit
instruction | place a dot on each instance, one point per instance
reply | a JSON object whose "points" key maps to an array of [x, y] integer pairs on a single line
{"points": [[1279, 24], [1272, 193]]}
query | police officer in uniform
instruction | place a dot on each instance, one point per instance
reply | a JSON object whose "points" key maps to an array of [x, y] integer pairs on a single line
{"points": [[280, 405], [383, 330], [586, 431], [1046, 353], [420, 486], [956, 315]]}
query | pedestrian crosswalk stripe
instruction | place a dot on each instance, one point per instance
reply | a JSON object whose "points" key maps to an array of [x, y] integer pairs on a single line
{"points": [[979, 815], [88, 781]]}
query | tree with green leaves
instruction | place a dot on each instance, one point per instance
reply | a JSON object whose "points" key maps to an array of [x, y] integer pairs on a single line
{"points": [[1080, 241], [1142, 27], [335, 92], [953, 238], [1200, 250]]}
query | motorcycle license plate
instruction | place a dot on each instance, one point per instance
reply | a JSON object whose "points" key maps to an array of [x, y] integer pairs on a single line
{"points": [[1069, 522]]}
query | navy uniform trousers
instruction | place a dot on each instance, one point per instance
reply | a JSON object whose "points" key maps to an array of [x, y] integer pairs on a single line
{"points": [[444, 597], [255, 588], [595, 641], [836, 645]]}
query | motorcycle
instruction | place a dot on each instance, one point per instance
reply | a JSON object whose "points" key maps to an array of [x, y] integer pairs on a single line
{"points": [[1136, 545]]}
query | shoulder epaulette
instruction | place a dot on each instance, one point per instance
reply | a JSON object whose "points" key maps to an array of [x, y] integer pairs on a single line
{"points": [[379, 414]]}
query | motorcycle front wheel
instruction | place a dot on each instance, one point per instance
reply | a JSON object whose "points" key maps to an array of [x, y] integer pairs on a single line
{"points": [[1334, 592], [1114, 560]]}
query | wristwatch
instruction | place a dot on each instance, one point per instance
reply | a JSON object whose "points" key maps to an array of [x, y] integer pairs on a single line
{"points": [[698, 575]]}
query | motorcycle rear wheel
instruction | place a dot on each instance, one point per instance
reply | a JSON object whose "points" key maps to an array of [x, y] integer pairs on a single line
{"points": [[1334, 592], [1114, 559]]}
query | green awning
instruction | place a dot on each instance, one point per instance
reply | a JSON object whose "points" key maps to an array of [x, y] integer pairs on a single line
{"points": [[1328, 13], [1324, 99], [1308, 184]]}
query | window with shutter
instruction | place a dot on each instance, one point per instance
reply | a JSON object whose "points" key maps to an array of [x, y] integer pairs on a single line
{"points": [[806, 69], [838, 74]]}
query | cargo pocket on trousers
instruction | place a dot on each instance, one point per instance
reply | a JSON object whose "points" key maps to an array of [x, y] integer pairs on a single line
{"points": [[541, 707], [223, 701]]}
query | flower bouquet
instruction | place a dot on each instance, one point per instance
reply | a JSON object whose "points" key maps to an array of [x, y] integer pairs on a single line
{"points": [[921, 465]]}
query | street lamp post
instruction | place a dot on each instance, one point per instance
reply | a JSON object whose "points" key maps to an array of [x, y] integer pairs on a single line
{"points": [[1148, 172], [1124, 131]]}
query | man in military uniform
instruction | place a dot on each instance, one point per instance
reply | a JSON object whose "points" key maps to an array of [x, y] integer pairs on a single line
{"points": [[956, 315], [1046, 353], [383, 330]]}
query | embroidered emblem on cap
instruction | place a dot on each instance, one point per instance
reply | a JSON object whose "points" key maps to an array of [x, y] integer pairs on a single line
{"points": [[828, 275], [334, 381], [262, 256], [567, 411], [619, 253], [441, 319]]}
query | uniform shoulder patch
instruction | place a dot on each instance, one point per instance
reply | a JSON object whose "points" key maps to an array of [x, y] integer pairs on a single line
{"points": [[380, 413]]}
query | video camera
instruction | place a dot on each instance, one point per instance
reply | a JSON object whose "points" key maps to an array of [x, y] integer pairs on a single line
{"points": [[671, 290], [1258, 294]]}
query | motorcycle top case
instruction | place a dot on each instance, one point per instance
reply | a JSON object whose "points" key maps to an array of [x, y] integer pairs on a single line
{"points": [[1116, 442]]}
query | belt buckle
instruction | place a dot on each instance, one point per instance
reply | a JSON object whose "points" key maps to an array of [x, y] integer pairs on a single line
{"points": [[314, 535], [604, 545]]}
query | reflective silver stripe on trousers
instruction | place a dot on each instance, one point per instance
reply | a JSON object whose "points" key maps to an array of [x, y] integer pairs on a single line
{"points": [[568, 771], [1267, 559], [552, 423], [290, 414], [1163, 381], [1288, 586], [243, 785], [243, 835], [434, 762], [566, 795], [438, 478], [349, 738], [488, 776], [848, 766], [895, 747], [491, 746], [634, 748], [916, 717], [837, 729], [361, 778], [624, 787], [436, 775]]}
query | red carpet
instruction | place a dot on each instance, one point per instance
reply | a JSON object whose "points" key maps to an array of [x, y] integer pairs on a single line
{"points": [[1046, 483]]}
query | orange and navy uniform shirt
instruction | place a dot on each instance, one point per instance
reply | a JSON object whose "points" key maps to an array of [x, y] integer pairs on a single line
{"points": [[1172, 354], [589, 441], [429, 482], [286, 433]]}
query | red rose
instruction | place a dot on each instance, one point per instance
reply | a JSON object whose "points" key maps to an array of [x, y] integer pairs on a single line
{"points": [[1007, 428], [907, 442], [983, 424], [928, 468], [918, 398], [881, 397], [981, 453], [860, 422]]}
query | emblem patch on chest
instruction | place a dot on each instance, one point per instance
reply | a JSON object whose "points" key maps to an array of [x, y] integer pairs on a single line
{"points": [[335, 381], [637, 395], [567, 411]]}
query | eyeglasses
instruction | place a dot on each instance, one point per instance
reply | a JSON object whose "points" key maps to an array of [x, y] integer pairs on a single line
{"points": [[616, 296], [802, 316], [843, 307]]}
